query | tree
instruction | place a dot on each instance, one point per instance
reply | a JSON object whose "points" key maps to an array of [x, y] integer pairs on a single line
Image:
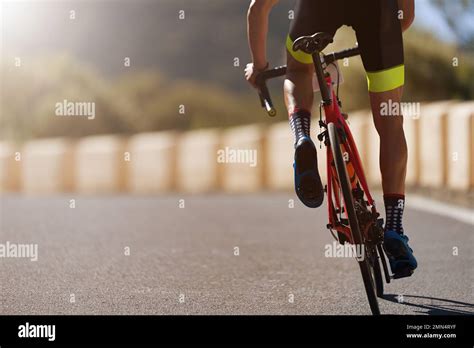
{"points": [[457, 13]]}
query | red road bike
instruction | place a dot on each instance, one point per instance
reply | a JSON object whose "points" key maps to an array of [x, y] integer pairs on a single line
{"points": [[353, 217]]}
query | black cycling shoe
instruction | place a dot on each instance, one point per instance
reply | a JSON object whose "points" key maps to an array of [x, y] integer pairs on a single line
{"points": [[308, 186]]}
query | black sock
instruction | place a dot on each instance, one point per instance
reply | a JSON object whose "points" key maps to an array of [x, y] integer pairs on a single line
{"points": [[394, 205], [300, 122]]}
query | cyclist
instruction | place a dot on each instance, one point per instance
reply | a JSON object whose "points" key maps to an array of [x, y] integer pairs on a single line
{"points": [[378, 25]]}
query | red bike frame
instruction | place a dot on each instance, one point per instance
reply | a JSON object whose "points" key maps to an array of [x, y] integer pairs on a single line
{"points": [[333, 115]]}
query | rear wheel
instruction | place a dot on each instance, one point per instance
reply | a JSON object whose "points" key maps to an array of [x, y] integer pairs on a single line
{"points": [[377, 271], [346, 188]]}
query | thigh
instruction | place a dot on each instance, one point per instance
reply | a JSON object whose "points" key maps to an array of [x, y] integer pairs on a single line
{"points": [[313, 16], [379, 35]]}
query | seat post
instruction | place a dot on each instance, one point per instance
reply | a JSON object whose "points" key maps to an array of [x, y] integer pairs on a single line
{"points": [[325, 91]]}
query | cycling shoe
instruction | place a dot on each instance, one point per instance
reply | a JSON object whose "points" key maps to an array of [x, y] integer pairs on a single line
{"points": [[308, 186], [400, 255]]}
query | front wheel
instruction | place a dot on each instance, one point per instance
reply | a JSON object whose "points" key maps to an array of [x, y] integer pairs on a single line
{"points": [[346, 188]]}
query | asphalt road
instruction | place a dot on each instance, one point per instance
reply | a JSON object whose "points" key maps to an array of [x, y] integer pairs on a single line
{"points": [[182, 260]]}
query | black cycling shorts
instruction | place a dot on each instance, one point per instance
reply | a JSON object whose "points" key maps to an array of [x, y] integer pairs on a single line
{"points": [[378, 31]]}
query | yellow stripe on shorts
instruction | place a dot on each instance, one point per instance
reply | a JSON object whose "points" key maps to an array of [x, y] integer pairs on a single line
{"points": [[386, 80], [300, 56]]}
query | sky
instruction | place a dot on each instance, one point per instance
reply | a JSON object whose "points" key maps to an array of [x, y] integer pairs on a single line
{"points": [[433, 20]]}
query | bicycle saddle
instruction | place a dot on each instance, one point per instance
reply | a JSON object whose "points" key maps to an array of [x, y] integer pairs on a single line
{"points": [[312, 44]]}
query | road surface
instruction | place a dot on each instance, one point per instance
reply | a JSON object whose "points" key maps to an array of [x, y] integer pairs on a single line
{"points": [[216, 254]]}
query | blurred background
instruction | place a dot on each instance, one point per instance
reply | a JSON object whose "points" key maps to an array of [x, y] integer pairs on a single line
{"points": [[76, 50], [167, 81]]}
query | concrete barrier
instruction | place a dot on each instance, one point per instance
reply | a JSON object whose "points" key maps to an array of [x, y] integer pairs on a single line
{"points": [[460, 151], [197, 169], [48, 166], [10, 157], [153, 162], [241, 157], [280, 144], [101, 165], [433, 144]]}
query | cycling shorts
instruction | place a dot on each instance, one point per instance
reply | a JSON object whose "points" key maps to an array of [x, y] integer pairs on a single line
{"points": [[378, 31]]}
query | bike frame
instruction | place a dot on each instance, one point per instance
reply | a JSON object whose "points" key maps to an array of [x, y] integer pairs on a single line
{"points": [[333, 114]]}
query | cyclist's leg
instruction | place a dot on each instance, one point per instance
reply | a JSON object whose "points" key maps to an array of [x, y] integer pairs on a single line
{"points": [[380, 40], [393, 146], [311, 17], [298, 85], [298, 92]]}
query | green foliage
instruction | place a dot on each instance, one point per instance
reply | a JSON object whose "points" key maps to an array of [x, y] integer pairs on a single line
{"points": [[436, 70], [139, 102], [30, 94]]}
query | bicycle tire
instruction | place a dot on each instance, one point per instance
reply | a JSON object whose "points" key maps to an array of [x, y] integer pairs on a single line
{"points": [[346, 189], [384, 263]]}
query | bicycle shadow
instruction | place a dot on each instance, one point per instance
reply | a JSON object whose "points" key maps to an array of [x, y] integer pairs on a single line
{"points": [[444, 307]]}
